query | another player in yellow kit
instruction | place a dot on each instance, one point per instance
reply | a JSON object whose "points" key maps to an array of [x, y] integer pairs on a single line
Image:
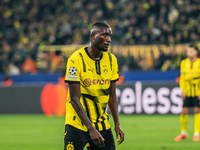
{"points": [[190, 86], [91, 74]]}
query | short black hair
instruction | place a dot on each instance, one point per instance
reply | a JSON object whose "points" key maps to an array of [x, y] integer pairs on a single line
{"points": [[100, 24], [194, 46]]}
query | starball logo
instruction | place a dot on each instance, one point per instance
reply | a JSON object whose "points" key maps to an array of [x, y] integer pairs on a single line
{"points": [[88, 82]]}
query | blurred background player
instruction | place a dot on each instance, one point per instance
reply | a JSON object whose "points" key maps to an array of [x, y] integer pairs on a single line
{"points": [[190, 86]]}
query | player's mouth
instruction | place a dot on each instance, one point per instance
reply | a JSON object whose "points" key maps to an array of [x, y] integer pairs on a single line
{"points": [[106, 45]]}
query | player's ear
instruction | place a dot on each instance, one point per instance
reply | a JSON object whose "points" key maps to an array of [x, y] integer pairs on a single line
{"points": [[92, 36]]}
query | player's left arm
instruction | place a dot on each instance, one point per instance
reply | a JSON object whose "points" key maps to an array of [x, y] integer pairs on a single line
{"points": [[113, 106]]}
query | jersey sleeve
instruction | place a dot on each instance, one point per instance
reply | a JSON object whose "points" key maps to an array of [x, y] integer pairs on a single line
{"points": [[182, 74], [115, 72], [73, 71]]}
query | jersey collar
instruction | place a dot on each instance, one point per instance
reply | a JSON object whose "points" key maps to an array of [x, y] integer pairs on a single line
{"points": [[90, 56]]}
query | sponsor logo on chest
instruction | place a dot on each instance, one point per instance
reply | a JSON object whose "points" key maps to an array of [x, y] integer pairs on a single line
{"points": [[88, 82]]}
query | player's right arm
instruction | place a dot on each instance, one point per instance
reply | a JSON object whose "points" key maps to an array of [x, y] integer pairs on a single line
{"points": [[73, 71]]}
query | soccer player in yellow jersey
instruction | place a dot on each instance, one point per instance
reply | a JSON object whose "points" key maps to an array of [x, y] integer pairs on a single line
{"points": [[190, 86], [91, 73]]}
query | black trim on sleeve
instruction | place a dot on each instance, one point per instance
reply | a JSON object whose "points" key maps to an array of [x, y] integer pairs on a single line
{"points": [[114, 80], [72, 82]]}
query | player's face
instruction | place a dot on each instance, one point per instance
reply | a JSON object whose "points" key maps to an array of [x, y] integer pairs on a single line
{"points": [[191, 52], [103, 38]]}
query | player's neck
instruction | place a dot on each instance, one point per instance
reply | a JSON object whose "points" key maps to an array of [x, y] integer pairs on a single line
{"points": [[192, 59], [94, 53]]}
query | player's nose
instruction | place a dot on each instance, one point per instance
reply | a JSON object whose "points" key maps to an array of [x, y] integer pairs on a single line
{"points": [[108, 39]]}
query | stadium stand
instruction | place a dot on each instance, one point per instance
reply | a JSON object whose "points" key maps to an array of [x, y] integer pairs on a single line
{"points": [[27, 26]]}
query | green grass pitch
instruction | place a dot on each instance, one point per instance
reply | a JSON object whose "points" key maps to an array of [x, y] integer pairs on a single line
{"points": [[142, 132]]}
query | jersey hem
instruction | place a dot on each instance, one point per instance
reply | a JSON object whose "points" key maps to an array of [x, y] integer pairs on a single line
{"points": [[83, 130]]}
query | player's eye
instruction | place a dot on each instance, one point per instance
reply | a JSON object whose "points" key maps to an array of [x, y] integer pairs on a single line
{"points": [[106, 34]]}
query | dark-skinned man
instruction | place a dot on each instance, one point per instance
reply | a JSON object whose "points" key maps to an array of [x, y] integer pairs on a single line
{"points": [[92, 73]]}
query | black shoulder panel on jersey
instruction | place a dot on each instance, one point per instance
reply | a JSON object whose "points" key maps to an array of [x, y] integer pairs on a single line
{"points": [[110, 57], [84, 66]]}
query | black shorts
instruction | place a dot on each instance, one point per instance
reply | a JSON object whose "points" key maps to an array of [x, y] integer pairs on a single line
{"points": [[191, 102], [76, 139]]}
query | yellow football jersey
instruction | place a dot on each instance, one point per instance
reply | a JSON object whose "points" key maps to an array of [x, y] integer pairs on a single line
{"points": [[190, 77], [94, 77]]}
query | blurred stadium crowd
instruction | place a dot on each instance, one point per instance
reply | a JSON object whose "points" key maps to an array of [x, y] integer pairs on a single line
{"points": [[27, 25]]}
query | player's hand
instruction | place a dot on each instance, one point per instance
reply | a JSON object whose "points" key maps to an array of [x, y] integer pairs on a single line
{"points": [[183, 95], [120, 133], [96, 137], [198, 97]]}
